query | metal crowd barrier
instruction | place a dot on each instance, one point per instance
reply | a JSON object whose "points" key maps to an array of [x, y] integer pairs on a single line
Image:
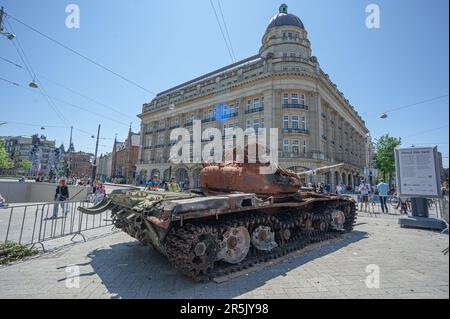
{"points": [[33, 224], [437, 207]]}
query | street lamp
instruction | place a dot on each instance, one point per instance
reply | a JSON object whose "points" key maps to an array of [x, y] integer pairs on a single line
{"points": [[9, 36], [33, 85]]}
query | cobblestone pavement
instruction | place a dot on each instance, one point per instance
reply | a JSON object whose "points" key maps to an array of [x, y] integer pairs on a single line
{"points": [[114, 266]]}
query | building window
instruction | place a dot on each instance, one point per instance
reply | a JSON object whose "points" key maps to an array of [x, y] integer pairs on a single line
{"points": [[295, 122], [285, 55], [294, 97], [262, 102], [296, 147], [249, 105], [303, 122], [304, 147], [256, 103], [228, 126], [285, 98], [262, 123], [290, 35], [286, 122], [190, 118], [286, 146], [256, 125], [292, 54], [249, 123], [302, 99], [161, 140]]}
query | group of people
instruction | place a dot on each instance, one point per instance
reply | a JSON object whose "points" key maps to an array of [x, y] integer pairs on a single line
{"points": [[154, 184], [382, 191], [61, 196]]}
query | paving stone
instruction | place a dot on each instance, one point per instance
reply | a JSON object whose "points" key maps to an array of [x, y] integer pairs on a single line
{"points": [[410, 262]]}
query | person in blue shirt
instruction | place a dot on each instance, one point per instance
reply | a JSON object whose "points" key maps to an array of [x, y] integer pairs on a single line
{"points": [[152, 184], [383, 189]]}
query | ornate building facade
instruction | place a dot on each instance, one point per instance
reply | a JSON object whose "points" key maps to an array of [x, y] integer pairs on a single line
{"points": [[282, 87], [124, 158]]}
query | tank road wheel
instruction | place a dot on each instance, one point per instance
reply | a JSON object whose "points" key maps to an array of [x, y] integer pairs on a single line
{"points": [[263, 238], [349, 211], [306, 222], [321, 225], [235, 245], [193, 250], [204, 253], [337, 220]]}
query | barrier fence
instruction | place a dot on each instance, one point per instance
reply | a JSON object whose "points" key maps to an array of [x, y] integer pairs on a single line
{"points": [[33, 224], [437, 207]]}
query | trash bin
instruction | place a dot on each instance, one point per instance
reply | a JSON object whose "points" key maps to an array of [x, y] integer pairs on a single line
{"points": [[419, 207]]}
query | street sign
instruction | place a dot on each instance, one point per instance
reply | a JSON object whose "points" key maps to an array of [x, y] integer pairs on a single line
{"points": [[418, 172]]}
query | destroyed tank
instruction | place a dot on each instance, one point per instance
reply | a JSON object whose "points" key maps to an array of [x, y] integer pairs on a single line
{"points": [[238, 219]]}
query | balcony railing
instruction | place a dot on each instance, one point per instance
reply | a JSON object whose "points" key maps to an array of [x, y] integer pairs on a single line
{"points": [[162, 129], [174, 126], [229, 115], [295, 131], [160, 146], [307, 155], [209, 119], [254, 110], [295, 106], [189, 123]]}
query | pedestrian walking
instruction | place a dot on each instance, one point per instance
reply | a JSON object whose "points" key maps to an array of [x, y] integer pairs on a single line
{"points": [[61, 195], [3, 203], [364, 190], [383, 189]]}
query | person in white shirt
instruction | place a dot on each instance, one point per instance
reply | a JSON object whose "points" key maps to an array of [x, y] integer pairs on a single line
{"points": [[364, 189]]}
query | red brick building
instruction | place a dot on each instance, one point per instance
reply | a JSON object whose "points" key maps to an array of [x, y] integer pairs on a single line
{"points": [[79, 164], [125, 157]]}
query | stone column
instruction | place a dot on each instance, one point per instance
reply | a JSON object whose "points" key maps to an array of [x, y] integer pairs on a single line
{"points": [[241, 115], [270, 118]]}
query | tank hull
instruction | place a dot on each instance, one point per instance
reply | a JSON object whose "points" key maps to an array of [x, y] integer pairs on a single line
{"points": [[208, 236]]}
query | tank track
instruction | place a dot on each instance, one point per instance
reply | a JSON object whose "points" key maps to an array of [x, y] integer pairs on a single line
{"points": [[304, 227]]}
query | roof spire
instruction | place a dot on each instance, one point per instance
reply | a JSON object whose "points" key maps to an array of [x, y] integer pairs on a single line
{"points": [[283, 8]]}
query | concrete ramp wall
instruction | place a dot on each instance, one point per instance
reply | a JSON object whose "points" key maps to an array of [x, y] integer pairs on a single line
{"points": [[30, 192]]}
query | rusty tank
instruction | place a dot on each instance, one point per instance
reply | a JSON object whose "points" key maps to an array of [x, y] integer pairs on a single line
{"points": [[238, 219]]}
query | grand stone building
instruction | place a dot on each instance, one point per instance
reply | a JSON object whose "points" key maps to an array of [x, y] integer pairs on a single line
{"points": [[284, 87]]}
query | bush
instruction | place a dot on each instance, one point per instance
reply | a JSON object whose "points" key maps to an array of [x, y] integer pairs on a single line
{"points": [[10, 252]]}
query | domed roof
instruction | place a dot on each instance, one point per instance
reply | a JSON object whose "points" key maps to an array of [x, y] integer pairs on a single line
{"points": [[284, 18]]}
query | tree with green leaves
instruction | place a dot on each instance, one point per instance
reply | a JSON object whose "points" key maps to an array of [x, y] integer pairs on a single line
{"points": [[385, 155], [26, 165], [5, 162]]}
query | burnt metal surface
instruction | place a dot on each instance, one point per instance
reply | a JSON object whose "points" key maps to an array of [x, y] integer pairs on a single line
{"points": [[247, 178]]}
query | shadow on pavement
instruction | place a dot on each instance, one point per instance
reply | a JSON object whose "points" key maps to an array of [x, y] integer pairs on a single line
{"points": [[130, 270]]}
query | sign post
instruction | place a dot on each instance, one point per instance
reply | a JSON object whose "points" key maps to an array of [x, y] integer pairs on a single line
{"points": [[418, 178]]}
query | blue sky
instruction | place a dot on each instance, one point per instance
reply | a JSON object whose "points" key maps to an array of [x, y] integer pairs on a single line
{"points": [[160, 44]]}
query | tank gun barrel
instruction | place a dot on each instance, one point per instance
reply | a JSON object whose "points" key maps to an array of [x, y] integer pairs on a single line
{"points": [[320, 170]]}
